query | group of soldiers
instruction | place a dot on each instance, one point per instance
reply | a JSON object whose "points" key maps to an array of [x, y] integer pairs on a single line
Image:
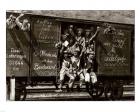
{"points": [[76, 51], [77, 54]]}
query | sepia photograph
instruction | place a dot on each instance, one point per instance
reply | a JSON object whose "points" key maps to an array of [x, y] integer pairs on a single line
{"points": [[70, 55]]}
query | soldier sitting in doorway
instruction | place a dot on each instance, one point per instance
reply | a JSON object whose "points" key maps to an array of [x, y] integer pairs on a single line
{"points": [[76, 67], [90, 76], [65, 46], [66, 70]]}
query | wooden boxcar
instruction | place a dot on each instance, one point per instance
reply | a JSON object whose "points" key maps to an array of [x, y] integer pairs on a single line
{"points": [[31, 56]]}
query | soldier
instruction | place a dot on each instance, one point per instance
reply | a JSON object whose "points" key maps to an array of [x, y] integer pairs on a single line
{"points": [[25, 25], [76, 68], [66, 70], [11, 22], [89, 36], [80, 40], [63, 43], [89, 57], [90, 48], [89, 73], [92, 30], [65, 46], [94, 35], [70, 31]]}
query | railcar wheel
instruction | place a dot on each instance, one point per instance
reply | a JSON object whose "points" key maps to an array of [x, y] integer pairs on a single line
{"points": [[99, 89], [117, 91], [96, 90], [113, 91], [108, 91], [23, 94], [20, 92]]}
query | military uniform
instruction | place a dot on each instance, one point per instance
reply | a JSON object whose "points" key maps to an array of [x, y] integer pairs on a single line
{"points": [[66, 70], [25, 25], [73, 48], [89, 57], [10, 22], [89, 68], [79, 38], [76, 68]]}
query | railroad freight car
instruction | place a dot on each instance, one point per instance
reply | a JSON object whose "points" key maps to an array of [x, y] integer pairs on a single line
{"points": [[31, 55]]}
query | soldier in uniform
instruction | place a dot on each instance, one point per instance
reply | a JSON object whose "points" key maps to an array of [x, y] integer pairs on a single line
{"points": [[66, 70], [76, 67], [79, 38], [11, 22], [89, 56], [90, 76], [62, 44], [90, 48], [87, 36], [70, 31], [94, 35], [90, 37], [24, 25], [90, 45]]}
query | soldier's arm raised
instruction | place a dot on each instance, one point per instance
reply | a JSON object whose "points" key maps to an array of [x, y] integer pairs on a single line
{"points": [[19, 24], [96, 33]]}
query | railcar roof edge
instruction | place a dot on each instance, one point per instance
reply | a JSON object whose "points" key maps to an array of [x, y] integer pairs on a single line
{"points": [[65, 19]]}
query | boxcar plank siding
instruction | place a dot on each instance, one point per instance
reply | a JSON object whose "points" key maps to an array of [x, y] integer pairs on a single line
{"points": [[44, 55], [114, 51]]}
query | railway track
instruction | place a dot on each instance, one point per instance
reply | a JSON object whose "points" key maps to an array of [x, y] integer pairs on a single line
{"points": [[47, 92]]}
